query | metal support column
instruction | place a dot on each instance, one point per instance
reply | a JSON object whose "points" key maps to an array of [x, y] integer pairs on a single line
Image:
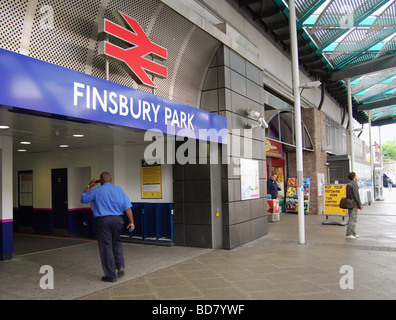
{"points": [[298, 127], [372, 175], [350, 114]]}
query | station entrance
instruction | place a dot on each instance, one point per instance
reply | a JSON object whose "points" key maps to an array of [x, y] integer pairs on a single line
{"points": [[53, 159]]}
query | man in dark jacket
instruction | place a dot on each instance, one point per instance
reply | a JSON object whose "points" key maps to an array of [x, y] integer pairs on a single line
{"points": [[352, 192], [272, 187]]}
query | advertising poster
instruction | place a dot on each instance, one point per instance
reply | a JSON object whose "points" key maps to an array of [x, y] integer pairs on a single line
{"points": [[273, 149], [250, 179], [151, 180], [333, 195]]}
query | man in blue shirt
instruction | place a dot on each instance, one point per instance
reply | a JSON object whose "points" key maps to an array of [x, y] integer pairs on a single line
{"points": [[109, 203]]}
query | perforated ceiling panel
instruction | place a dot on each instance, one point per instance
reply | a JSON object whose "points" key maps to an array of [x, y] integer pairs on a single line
{"points": [[12, 18], [72, 40], [67, 43]]}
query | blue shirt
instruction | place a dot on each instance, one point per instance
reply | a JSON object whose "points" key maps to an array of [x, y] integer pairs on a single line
{"points": [[107, 200]]}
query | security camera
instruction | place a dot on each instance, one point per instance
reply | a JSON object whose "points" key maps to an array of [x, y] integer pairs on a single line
{"points": [[263, 123]]}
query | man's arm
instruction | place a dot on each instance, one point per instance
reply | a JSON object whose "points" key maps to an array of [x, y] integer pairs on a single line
{"points": [[356, 195], [85, 198], [129, 214]]}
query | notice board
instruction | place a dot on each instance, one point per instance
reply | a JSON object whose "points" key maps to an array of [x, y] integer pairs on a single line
{"points": [[151, 180], [333, 195]]}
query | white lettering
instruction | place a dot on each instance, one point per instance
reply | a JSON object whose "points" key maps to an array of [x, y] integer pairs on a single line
{"points": [[123, 105], [190, 119], [135, 115], [96, 97], [155, 111], [164, 310], [146, 111], [77, 93], [168, 114], [112, 98], [175, 119], [88, 101], [183, 118]]}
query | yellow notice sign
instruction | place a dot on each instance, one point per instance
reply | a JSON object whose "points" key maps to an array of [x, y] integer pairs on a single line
{"points": [[151, 180], [333, 195]]}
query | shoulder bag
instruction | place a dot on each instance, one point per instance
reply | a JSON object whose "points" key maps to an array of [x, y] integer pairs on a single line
{"points": [[346, 203]]}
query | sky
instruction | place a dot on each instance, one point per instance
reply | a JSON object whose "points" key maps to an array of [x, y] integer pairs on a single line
{"points": [[388, 133]]}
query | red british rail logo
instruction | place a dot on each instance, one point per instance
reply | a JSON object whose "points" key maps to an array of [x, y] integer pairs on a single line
{"points": [[136, 58]]}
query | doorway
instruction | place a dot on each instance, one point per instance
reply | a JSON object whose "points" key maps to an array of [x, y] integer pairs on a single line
{"points": [[24, 219], [60, 213]]}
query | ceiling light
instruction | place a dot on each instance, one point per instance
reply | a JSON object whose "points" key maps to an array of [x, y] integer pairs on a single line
{"points": [[78, 136], [3, 127], [63, 146], [25, 142], [21, 150]]}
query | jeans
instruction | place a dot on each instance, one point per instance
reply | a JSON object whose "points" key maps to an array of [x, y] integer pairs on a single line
{"points": [[352, 213], [108, 229]]}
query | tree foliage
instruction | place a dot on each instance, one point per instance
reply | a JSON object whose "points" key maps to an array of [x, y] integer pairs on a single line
{"points": [[389, 149]]}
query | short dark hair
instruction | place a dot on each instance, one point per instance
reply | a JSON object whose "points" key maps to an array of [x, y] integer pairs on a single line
{"points": [[351, 175]]}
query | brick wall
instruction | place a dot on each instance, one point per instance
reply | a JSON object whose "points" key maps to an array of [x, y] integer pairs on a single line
{"points": [[313, 162]]}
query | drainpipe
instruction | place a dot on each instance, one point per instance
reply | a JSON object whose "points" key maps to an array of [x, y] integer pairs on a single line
{"points": [[322, 97]]}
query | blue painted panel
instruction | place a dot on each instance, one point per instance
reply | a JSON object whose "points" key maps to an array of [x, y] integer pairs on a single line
{"points": [[37, 85]]}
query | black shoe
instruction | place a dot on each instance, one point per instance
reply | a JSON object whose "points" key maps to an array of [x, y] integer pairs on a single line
{"points": [[107, 279], [120, 273]]}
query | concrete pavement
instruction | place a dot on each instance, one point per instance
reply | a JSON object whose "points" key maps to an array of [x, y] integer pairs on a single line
{"points": [[277, 267], [272, 267]]}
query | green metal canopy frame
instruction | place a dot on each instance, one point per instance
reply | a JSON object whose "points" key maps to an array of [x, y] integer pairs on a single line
{"points": [[340, 40]]}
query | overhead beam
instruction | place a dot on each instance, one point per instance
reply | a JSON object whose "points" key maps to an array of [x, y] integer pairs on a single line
{"points": [[248, 2], [374, 65], [377, 104], [383, 122], [270, 12]]}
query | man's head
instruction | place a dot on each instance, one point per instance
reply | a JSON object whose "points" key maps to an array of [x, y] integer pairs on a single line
{"points": [[352, 176], [105, 177], [274, 176]]}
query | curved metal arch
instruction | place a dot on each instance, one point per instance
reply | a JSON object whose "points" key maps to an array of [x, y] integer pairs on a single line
{"points": [[291, 128]]}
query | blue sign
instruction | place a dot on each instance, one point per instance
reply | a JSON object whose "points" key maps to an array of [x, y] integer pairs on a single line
{"points": [[37, 85]]}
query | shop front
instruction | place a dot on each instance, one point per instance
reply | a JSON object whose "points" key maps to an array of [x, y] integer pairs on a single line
{"points": [[276, 165]]}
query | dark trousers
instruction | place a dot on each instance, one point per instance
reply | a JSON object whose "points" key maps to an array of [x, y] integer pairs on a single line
{"points": [[108, 230]]}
